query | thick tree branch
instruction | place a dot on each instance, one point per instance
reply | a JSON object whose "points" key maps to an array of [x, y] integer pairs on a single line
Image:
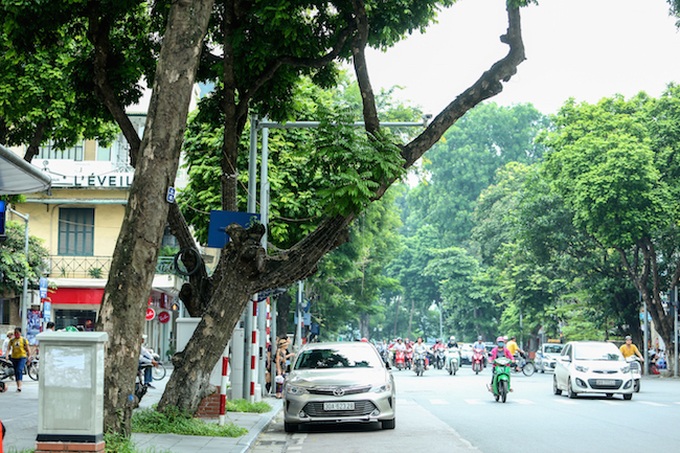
{"points": [[38, 137], [300, 261], [488, 85], [371, 121], [247, 94], [229, 157], [98, 33]]}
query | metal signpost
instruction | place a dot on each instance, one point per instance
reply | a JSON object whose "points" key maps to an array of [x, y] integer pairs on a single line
{"points": [[265, 125]]}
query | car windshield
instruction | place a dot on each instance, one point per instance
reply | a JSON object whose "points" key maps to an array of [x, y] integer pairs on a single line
{"points": [[552, 348], [349, 357], [597, 352]]}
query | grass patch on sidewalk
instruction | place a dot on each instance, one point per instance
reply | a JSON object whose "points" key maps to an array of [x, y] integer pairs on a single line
{"points": [[242, 405], [177, 421]]}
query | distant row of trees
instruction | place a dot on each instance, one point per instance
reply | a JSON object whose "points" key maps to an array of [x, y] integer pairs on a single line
{"points": [[523, 224]]}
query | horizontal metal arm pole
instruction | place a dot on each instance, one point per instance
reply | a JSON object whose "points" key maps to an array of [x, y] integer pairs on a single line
{"points": [[312, 124]]}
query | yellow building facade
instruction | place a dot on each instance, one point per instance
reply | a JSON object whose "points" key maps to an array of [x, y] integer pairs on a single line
{"points": [[79, 220]]}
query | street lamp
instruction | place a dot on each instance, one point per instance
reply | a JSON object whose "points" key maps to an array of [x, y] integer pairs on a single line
{"points": [[24, 297]]}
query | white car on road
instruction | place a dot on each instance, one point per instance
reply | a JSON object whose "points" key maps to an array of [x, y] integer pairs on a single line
{"points": [[546, 357], [592, 367]]}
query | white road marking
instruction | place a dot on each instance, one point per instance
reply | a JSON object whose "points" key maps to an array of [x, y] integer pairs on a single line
{"points": [[652, 403], [521, 401], [565, 401], [439, 402]]}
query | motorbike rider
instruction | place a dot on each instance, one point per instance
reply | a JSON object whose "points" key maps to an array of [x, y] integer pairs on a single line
{"points": [[146, 363], [409, 348], [399, 345], [499, 349], [420, 348], [438, 346], [514, 349], [629, 349], [452, 342], [481, 348]]}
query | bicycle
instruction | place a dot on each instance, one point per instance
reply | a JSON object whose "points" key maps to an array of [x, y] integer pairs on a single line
{"points": [[523, 365], [159, 370]]}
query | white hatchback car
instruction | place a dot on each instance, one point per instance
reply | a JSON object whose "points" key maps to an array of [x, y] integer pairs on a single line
{"points": [[592, 367], [338, 382], [546, 357]]}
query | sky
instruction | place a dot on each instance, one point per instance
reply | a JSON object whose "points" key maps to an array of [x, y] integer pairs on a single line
{"points": [[585, 49]]}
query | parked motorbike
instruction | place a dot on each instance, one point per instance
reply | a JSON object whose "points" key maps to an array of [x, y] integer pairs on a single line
{"points": [[500, 386], [477, 360], [140, 386], [452, 360], [31, 368], [636, 370], [419, 363]]}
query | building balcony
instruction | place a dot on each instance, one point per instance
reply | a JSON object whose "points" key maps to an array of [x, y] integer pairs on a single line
{"points": [[60, 266]]}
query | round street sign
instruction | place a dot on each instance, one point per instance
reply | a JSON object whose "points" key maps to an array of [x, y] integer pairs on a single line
{"points": [[163, 317], [150, 314]]}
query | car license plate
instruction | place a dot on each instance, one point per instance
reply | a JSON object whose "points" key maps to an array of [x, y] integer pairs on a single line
{"points": [[338, 406], [608, 382]]}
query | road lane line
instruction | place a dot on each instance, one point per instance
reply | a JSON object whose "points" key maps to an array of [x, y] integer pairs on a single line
{"points": [[439, 402], [652, 403], [521, 401], [565, 401]]}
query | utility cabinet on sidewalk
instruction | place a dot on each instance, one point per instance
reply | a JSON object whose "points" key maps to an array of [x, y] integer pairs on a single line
{"points": [[71, 403]]}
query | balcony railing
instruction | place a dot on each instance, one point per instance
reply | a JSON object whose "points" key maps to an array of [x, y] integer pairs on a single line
{"points": [[95, 266]]}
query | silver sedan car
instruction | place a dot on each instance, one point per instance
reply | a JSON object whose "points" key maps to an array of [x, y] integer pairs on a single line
{"points": [[339, 382]]}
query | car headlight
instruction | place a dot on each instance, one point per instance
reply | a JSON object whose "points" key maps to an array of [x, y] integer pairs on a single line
{"points": [[625, 369], [295, 389], [385, 387], [581, 368]]}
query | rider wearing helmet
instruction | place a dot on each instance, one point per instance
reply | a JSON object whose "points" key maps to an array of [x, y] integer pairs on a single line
{"points": [[452, 342], [498, 350], [438, 345]]}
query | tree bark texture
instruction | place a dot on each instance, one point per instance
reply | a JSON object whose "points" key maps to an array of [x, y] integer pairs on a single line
{"points": [[132, 270]]}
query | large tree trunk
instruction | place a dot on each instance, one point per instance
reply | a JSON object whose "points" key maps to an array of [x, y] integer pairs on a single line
{"points": [[132, 270], [365, 325]]}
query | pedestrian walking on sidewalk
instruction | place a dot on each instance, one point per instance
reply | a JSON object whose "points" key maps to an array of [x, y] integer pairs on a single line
{"points": [[19, 352]]}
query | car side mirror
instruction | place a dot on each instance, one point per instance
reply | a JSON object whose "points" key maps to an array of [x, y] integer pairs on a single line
{"points": [[565, 358]]}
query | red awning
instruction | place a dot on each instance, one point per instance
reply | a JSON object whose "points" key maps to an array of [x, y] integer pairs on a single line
{"points": [[79, 296]]}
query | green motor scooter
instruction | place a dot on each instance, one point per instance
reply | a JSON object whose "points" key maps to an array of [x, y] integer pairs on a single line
{"points": [[501, 378]]}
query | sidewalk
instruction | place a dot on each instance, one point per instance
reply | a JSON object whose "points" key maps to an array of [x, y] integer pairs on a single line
{"points": [[19, 413]]}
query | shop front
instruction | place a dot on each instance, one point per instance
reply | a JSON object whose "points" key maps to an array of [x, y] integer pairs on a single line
{"points": [[78, 307]]}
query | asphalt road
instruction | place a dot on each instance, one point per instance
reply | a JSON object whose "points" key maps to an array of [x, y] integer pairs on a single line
{"points": [[442, 413]]}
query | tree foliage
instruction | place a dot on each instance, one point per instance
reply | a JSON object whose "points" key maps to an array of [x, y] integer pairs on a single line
{"points": [[14, 265], [614, 164], [255, 53]]}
